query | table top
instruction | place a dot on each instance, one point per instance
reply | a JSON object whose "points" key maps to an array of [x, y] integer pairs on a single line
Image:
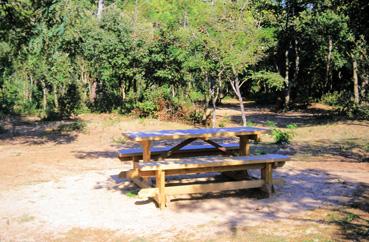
{"points": [[193, 133]]}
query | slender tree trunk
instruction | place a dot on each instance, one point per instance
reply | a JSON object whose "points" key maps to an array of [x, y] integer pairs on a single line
{"points": [[206, 104], [93, 87], [100, 8], [364, 87], [297, 65], [356, 80], [235, 83], [214, 90], [287, 80], [44, 96], [123, 90], [328, 64], [56, 102]]}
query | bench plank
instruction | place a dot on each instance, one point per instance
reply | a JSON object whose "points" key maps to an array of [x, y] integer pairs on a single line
{"points": [[193, 133], [214, 161], [191, 150], [204, 188]]}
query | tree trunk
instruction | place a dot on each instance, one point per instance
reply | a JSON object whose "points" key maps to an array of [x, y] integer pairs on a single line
{"points": [[44, 96], [364, 87], [328, 64], [206, 104], [214, 90], [93, 87], [100, 8], [297, 64], [56, 101], [123, 90], [287, 80], [356, 80], [236, 88]]}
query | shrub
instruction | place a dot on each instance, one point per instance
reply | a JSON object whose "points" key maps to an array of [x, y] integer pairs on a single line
{"points": [[74, 126], [284, 136], [196, 116], [271, 124], [366, 147], [2, 129]]}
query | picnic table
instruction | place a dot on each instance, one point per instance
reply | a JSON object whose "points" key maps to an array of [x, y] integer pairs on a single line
{"points": [[190, 135], [144, 165]]}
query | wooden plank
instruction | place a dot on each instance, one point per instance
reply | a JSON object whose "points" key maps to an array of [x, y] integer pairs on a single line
{"points": [[216, 145], [179, 146], [160, 187], [140, 183], [193, 133], [187, 151], [204, 188], [267, 175], [215, 161], [146, 154], [204, 170], [244, 145]]}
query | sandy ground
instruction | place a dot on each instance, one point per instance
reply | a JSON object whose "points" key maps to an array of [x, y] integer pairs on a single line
{"points": [[65, 187]]}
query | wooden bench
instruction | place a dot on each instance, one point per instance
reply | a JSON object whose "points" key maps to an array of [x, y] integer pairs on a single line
{"points": [[170, 167], [158, 153]]}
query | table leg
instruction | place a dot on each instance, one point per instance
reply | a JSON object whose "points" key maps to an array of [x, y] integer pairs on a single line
{"points": [[244, 145], [244, 150], [146, 155], [146, 147]]}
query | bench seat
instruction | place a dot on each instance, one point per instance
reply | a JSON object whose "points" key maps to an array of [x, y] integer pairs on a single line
{"points": [[187, 151], [203, 162], [161, 169]]}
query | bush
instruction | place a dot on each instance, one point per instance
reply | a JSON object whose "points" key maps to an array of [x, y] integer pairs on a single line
{"points": [[196, 116], [346, 106], [74, 126], [2, 129], [284, 136]]}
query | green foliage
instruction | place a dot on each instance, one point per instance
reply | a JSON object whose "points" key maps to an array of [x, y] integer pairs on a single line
{"points": [[271, 124], [366, 147], [161, 58], [344, 104], [2, 129], [196, 116], [284, 136], [74, 126]]}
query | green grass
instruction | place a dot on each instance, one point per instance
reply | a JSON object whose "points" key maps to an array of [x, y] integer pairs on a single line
{"points": [[74, 126], [366, 147], [25, 218], [119, 140], [132, 194]]}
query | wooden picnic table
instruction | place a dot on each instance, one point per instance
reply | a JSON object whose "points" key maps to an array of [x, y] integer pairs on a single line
{"points": [[145, 138], [233, 166]]}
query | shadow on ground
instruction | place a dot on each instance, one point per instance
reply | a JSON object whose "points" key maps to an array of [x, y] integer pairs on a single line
{"points": [[304, 190], [35, 132]]}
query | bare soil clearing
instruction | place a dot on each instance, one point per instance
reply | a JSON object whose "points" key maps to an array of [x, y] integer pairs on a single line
{"points": [[64, 186]]}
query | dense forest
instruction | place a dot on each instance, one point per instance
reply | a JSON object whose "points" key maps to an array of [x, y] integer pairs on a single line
{"points": [[181, 58]]}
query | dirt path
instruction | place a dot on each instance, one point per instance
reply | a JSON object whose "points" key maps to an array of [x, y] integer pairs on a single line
{"points": [[64, 187]]}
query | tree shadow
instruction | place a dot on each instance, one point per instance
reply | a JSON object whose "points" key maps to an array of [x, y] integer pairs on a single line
{"points": [[304, 190], [35, 132], [349, 149]]}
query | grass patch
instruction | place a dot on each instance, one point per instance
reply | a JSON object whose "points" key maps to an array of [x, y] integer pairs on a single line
{"points": [[25, 218], [74, 126], [119, 140], [223, 122], [366, 147], [132, 194]]}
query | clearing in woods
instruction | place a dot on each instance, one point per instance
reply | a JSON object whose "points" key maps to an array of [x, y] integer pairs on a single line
{"points": [[59, 182]]}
